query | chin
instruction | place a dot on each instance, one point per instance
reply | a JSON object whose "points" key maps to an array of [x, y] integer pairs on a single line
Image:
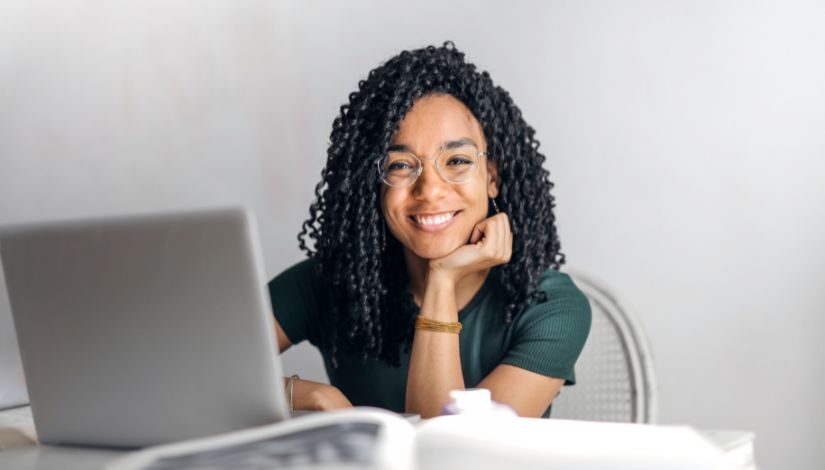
{"points": [[434, 252]]}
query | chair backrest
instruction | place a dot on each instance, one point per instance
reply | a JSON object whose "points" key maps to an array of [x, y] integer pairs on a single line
{"points": [[615, 380]]}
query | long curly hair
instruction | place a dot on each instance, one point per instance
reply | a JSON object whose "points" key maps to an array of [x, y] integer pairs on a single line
{"points": [[371, 311]]}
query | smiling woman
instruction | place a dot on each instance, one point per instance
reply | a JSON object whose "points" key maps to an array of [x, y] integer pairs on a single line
{"points": [[434, 258]]}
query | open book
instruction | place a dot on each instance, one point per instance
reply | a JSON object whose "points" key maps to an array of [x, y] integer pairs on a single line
{"points": [[376, 439], [356, 438]]}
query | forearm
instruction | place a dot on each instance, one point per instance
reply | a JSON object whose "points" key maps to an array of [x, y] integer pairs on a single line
{"points": [[309, 395], [435, 362]]}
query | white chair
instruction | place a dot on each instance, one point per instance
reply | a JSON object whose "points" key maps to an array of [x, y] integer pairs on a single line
{"points": [[615, 380]]}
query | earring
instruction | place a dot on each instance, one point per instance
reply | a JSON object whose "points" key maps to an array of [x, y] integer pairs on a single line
{"points": [[495, 206]]}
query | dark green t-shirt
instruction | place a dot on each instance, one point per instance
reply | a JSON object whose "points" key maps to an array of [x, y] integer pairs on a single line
{"points": [[546, 338]]}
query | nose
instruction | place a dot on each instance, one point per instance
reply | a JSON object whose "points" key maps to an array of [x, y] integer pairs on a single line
{"points": [[429, 185]]}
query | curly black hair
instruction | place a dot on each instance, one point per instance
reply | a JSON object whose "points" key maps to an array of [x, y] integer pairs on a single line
{"points": [[371, 312]]}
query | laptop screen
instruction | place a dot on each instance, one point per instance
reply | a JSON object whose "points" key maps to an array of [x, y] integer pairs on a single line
{"points": [[12, 383]]}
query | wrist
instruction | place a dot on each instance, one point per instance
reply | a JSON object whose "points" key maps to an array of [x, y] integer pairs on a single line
{"points": [[307, 395], [440, 279], [439, 298], [290, 391]]}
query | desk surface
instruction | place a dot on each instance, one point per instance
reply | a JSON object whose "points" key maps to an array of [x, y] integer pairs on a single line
{"points": [[19, 448], [54, 458]]}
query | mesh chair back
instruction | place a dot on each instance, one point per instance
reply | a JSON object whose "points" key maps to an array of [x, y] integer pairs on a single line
{"points": [[614, 375]]}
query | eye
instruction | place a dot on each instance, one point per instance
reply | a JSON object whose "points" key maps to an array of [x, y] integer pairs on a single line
{"points": [[457, 160], [397, 166]]}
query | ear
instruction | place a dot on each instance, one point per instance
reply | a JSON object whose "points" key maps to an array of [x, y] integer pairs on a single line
{"points": [[492, 179]]}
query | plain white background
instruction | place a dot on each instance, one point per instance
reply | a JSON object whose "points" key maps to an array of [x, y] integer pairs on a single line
{"points": [[685, 138]]}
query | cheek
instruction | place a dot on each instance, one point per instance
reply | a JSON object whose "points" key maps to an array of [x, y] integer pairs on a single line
{"points": [[478, 201], [391, 211]]}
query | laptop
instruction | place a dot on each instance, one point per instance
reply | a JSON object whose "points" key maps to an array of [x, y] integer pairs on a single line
{"points": [[12, 384], [143, 330]]}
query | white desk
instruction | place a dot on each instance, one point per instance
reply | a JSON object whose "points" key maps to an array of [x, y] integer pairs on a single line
{"points": [[55, 458], [19, 450]]}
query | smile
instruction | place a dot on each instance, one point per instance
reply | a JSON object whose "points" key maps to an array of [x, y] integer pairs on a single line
{"points": [[433, 222]]}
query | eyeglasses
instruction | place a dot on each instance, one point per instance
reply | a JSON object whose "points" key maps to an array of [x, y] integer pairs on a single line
{"points": [[400, 169]]}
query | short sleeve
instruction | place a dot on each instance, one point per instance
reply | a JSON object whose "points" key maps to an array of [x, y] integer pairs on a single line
{"points": [[297, 296], [549, 336]]}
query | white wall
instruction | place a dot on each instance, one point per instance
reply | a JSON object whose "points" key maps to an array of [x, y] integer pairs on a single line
{"points": [[685, 138]]}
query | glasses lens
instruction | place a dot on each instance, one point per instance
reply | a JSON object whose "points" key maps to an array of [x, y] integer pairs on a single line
{"points": [[457, 165], [400, 169]]}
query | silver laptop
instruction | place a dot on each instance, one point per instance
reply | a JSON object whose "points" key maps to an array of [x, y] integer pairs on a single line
{"points": [[143, 330], [12, 383]]}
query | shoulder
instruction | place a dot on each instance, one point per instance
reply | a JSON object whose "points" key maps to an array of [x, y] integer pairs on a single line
{"points": [[298, 297], [565, 309], [560, 288], [549, 335], [303, 272]]}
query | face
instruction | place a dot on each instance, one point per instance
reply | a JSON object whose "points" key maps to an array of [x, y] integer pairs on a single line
{"points": [[432, 217]]}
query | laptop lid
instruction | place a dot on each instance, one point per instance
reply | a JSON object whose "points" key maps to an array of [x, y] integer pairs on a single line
{"points": [[143, 330], [12, 384]]}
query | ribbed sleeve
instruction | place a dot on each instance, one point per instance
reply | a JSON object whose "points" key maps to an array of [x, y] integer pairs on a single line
{"points": [[548, 337], [295, 296]]}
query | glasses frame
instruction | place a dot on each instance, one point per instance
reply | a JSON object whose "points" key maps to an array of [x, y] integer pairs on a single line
{"points": [[417, 173]]}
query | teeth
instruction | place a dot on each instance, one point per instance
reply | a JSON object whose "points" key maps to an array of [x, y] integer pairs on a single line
{"points": [[434, 219]]}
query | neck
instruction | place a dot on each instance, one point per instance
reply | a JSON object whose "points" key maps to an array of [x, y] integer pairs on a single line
{"points": [[465, 289]]}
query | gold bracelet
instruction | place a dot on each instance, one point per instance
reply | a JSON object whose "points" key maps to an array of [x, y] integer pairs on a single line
{"points": [[424, 323], [290, 385]]}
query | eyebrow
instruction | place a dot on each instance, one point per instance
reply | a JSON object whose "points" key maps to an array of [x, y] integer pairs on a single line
{"points": [[449, 145]]}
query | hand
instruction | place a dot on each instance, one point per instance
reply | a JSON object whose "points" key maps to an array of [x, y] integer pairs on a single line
{"points": [[314, 396], [491, 244]]}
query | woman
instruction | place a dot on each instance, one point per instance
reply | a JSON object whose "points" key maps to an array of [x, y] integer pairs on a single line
{"points": [[433, 216]]}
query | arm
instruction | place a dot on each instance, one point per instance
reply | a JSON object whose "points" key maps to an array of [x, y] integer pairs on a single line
{"points": [[528, 393], [546, 342], [435, 362], [435, 367], [283, 341], [306, 394]]}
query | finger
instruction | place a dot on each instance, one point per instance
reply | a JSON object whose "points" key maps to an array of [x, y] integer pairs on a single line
{"points": [[476, 235], [501, 218], [501, 236], [508, 247], [479, 231], [507, 239], [493, 235]]}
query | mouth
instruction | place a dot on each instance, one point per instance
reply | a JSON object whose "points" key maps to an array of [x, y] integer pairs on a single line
{"points": [[433, 222]]}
